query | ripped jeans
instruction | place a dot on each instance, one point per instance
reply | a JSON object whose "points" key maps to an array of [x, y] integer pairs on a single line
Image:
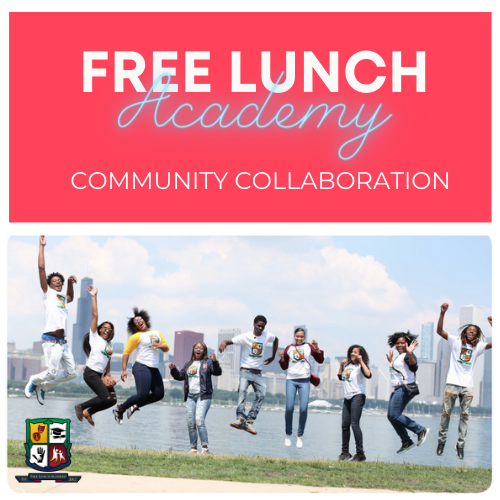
{"points": [[464, 394], [196, 411]]}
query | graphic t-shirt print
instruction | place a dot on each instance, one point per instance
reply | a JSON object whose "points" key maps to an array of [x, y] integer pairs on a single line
{"points": [[256, 350], [346, 377], [193, 371], [154, 338], [298, 355], [465, 356], [108, 351], [62, 300]]}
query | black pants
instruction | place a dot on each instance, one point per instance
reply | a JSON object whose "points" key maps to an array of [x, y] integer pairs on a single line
{"points": [[149, 385], [351, 414], [106, 397]]}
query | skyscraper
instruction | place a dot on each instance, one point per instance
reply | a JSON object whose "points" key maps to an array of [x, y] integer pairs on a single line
{"points": [[83, 318], [183, 345], [427, 341], [442, 367], [233, 352]]}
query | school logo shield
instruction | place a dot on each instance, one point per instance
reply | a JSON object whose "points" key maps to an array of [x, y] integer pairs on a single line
{"points": [[47, 444], [256, 350], [465, 355], [298, 356]]}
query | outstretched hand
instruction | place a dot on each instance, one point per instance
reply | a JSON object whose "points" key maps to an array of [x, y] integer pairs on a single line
{"points": [[412, 347], [315, 344], [389, 356], [213, 357], [92, 290]]}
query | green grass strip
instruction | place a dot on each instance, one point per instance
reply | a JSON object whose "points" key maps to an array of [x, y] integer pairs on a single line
{"points": [[333, 473]]}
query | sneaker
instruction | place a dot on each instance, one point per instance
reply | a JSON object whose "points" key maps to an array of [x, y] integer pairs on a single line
{"points": [[204, 451], [193, 450], [30, 388], [359, 457], [79, 412], [131, 411], [440, 449], [288, 441], [118, 415], [239, 423], [406, 446], [40, 394], [422, 436], [460, 452], [345, 455], [299, 442], [88, 417], [249, 427]]}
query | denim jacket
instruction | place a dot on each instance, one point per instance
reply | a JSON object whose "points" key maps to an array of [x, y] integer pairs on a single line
{"points": [[208, 368]]}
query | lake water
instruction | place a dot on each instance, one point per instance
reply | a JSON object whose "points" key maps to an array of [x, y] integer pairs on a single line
{"points": [[163, 427]]}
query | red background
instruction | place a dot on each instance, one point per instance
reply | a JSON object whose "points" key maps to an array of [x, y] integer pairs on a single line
{"points": [[57, 130]]}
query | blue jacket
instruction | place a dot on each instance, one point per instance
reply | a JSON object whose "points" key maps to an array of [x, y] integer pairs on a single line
{"points": [[208, 368]]}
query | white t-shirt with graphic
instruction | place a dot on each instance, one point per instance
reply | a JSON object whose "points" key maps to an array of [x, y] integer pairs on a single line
{"points": [[146, 355], [56, 313], [252, 352], [298, 367], [400, 365], [193, 373], [353, 380], [462, 361], [100, 352]]}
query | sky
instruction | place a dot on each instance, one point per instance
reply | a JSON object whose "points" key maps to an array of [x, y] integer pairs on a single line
{"points": [[346, 289]]}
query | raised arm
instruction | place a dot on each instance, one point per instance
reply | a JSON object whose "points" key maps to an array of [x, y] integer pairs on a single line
{"points": [[70, 293], [341, 369], [440, 331], [93, 322], [41, 264]]}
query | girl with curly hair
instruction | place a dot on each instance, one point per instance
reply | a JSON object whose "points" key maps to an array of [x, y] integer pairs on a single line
{"points": [[148, 379], [402, 369], [352, 372], [465, 349]]}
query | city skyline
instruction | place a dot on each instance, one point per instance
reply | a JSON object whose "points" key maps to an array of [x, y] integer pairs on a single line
{"points": [[346, 289]]}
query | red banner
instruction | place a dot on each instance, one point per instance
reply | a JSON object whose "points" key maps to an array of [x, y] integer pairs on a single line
{"points": [[268, 117]]}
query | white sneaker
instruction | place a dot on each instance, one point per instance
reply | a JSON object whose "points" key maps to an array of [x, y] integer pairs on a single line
{"points": [[288, 441], [29, 390], [299, 442]]}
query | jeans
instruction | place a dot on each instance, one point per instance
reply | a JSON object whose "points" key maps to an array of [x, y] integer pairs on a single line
{"points": [[351, 414], [149, 385], [53, 355], [465, 395], [256, 380], [397, 403], [196, 411], [106, 396], [302, 385]]}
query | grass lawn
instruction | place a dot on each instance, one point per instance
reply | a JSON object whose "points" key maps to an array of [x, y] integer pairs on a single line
{"points": [[403, 477]]}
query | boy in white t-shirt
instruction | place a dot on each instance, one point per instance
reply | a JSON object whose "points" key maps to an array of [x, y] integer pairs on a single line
{"points": [[55, 348], [252, 360], [465, 349]]}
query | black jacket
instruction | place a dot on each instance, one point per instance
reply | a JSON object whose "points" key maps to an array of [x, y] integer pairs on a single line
{"points": [[207, 369]]}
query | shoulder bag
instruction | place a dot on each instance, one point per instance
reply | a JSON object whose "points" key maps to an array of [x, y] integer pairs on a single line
{"points": [[411, 388]]}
